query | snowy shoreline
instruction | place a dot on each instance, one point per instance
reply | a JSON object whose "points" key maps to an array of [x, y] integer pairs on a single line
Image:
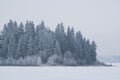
{"points": [[59, 73]]}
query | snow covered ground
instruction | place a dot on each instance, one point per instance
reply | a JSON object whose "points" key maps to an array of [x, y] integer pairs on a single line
{"points": [[59, 73]]}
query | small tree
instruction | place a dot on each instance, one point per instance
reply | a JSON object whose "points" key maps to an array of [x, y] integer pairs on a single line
{"points": [[68, 59]]}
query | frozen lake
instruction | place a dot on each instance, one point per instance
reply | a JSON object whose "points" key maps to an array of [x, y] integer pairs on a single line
{"points": [[59, 73]]}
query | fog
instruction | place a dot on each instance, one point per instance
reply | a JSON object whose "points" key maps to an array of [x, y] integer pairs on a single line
{"points": [[98, 20]]}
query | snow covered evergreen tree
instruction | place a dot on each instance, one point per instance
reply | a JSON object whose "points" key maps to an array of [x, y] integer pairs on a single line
{"points": [[71, 40], [93, 52], [0, 44], [57, 49], [79, 47], [60, 36], [30, 46], [12, 47], [5, 42], [69, 59], [35, 45]]}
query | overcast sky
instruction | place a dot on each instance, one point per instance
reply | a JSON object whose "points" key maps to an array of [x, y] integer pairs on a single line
{"points": [[98, 20]]}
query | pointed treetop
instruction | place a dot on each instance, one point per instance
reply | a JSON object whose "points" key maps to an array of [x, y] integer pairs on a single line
{"points": [[15, 23], [78, 34], [42, 25], [21, 24], [62, 24], [58, 25], [10, 21], [93, 43]]}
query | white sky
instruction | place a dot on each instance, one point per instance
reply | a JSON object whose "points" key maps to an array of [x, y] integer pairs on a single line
{"points": [[98, 20]]}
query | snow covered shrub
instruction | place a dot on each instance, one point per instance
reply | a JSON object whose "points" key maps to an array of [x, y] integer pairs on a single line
{"points": [[30, 60], [43, 55], [69, 62], [27, 61], [10, 61], [55, 60], [68, 59]]}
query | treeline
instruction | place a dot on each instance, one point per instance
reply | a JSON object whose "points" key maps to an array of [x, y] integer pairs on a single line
{"points": [[38, 45]]}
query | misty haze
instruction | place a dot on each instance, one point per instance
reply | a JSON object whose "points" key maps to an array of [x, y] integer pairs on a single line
{"points": [[59, 39]]}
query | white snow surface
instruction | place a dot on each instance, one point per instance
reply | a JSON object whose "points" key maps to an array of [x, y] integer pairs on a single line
{"points": [[59, 73]]}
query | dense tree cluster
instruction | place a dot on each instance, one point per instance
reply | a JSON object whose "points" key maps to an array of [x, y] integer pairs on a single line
{"points": [[37, 45]]}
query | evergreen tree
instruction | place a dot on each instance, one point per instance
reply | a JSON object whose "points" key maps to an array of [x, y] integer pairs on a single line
{"points": [[21, 44], [68, 59], [29, 37], [0, 44], [56, 58], [41, 36], [21, 52], [71, 39], [30, 46], [5, 42], [13, 40], [44, 42], [61, 37], [57, 49], [20, 30], [79, 47], [93, 51], [12, 47]]}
